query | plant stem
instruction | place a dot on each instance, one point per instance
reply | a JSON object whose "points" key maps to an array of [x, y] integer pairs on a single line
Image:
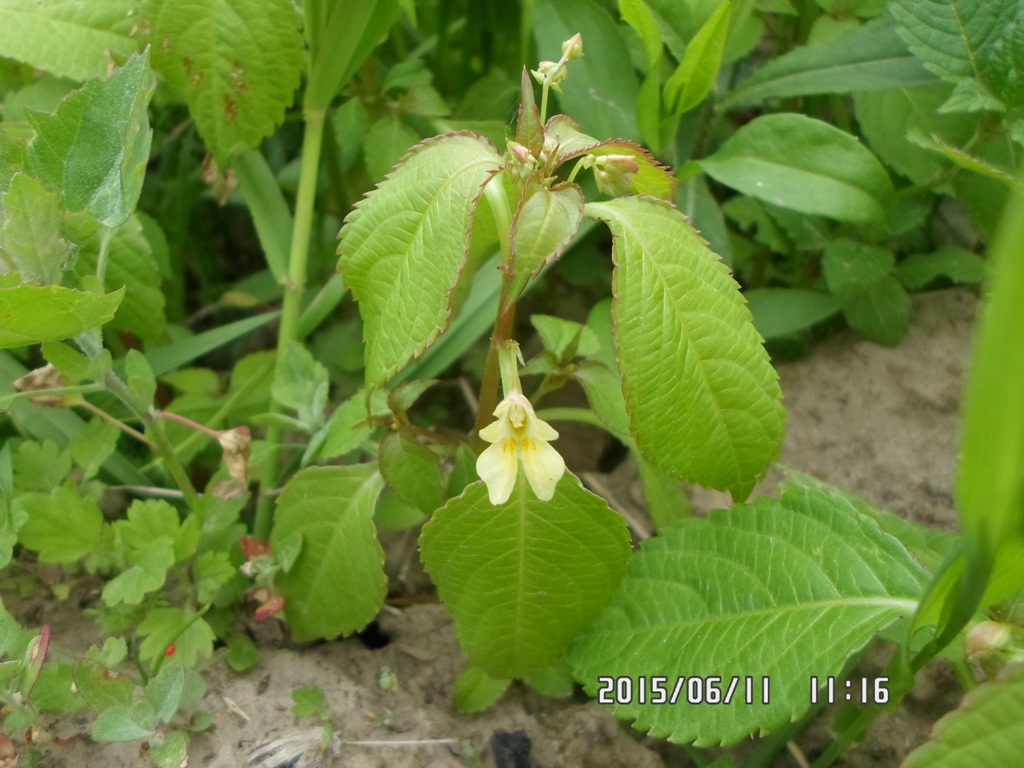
{"points": [[297, 260]]}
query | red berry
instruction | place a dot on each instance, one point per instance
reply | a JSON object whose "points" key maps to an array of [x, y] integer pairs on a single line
{"points": [[170, 650]]}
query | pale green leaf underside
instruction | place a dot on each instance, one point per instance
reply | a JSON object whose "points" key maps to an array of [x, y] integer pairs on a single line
{"points": [[337, 583], [30, 314], [30, 232], [984, 731], [805, 165], [782, 588], [236, 63], [522, 578], [404, 247], [704, 401], [66, 37]]}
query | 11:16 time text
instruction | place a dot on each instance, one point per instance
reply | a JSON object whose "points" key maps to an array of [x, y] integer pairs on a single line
{"points": [[657, 689]]}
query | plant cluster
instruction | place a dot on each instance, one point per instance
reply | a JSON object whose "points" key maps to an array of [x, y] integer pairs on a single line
{"points": [[199, 422]]}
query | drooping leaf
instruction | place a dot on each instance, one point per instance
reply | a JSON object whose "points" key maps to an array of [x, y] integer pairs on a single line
{"points": [[985, 727], [412, 471], [951, 262], [403, 249], [544, 224], [784, 589], [977, 45], [600, 91], [93, 150], [30, 237], [62, 526], [803, 164], [703, 398], [522, 578], [873, 301], [869, 58], [332, 507], [236, 63], [65, 37], [698, 70]]}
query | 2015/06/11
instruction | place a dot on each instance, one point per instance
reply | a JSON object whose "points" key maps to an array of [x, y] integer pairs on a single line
{"points": [[657, 689]]}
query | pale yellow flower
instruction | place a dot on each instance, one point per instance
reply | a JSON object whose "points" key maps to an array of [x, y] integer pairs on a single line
{"points": [[519, 437]]}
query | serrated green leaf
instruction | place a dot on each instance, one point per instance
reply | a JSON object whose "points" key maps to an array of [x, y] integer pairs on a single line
{"points": [[977, 45], [40, 466], [545, 222], [873, 300], [130, 263], [93, 150], [522, 578], [957, 264], [984, 728], [301, 383], [869, 58], [385, 144], [412, 471], [332, 507], [600, 91], [164, 691], [171, 751], [703, 399], [348, 428], [803, 164], [403, 249], [561, 337], [100, 687], [125, 722], [153, 518], [91, 447], [191, 636], [308, 700], [696, 74], [962, 158], [30, 314], [242, 653], [113, 652], [212, 570], [140, 376], [30, 237], [65, 37], [146, 574], [236, 63], [475, 690], [62, 526], [781, 312], [783, 589]]}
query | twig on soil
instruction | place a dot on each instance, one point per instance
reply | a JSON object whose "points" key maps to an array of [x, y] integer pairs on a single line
{"points": [[306, 748], [797, 754]]}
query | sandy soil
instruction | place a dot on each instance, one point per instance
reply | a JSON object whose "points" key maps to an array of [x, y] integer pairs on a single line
{"points": [[881, 422]]}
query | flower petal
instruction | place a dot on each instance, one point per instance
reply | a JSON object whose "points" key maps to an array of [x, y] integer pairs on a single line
{"points": [[498, 467], [543, 465], [542, 430]]}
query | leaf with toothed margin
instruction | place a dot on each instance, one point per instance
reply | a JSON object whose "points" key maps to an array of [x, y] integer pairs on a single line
{"points": [[703, 399], [545, 222], [784, 589], [403, 248], [652, 179], [529, 131]]}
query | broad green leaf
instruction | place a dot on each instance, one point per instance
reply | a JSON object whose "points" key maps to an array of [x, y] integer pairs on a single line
{"points": [[145, 574], [404, 247], [242, 654], [55, 691], [171, 751], [873, 301], [308, 700], [703, 399], [348, 426], [781, 589], [976, 45], [101, 687], [869, 58], [780, 312], [164, 690], [386, 143], [392, 513], [236, 63], [886, 117], [703, 211], [191, 636], [984, 729], [300, 383], [412, 471], [475, 690], [803, 164], [522, 578], [601, 90], [131, 264], [210, 572], [564, 338], [30, 314], [62, 526], [93, 445], [529, 130], [40, 466], [30, 236], [648, 112], [544, 224], [962, 158], [666, 500], [957, 264], [93, 150], [66, 37], [125, 722], [696, 74], [337, 584], [152, 518]]}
